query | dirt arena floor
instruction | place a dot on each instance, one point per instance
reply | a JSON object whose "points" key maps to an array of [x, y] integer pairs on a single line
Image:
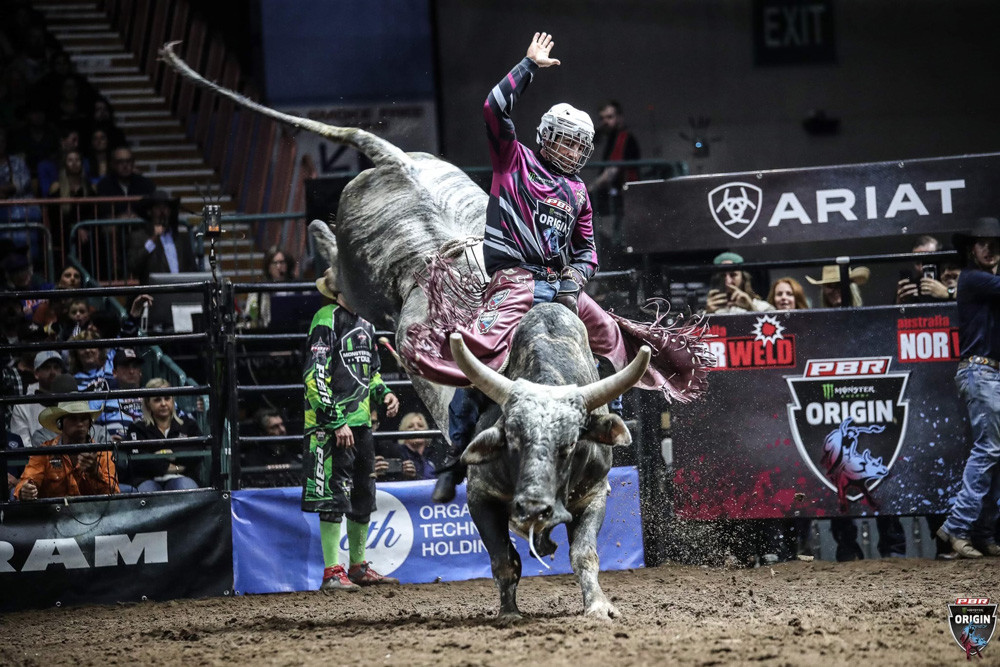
{"points": [[890, 612]]}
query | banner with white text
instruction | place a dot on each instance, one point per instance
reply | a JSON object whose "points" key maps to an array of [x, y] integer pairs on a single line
{"points": [[820, 413], [276, 546], [121, 549], [796, 206]]}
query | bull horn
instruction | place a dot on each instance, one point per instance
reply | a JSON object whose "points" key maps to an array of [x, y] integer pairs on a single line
{"points": [[598, 393], [487, 380]]}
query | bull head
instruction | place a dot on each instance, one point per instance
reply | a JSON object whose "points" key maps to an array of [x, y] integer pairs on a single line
{"points": [[541, 425]]}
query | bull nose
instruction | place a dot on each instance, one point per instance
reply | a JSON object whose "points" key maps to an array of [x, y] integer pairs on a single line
{"points": [[526, 509]]}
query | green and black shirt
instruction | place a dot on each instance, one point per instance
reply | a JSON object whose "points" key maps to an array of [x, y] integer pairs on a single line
{"points": [[341, 371]]}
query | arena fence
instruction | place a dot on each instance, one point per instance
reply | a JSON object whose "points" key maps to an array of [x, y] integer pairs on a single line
{"points": [[713, 440]]}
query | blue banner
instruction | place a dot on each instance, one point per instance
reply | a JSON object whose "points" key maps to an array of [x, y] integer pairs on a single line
{"points": [[276, 545]]}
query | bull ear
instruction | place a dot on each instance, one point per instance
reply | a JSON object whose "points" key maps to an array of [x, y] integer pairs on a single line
{"points": [[608, 430], [484, 447]]}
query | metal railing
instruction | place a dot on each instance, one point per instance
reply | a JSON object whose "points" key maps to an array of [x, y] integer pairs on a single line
{"points": [[56, 215], [207, 347]]}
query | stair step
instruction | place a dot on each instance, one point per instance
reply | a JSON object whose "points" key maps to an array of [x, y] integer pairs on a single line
{"points": [[162, 131], [142, 115], [76, 15], [184, 173], [78, 35], [90, 66], [57, 7], [60, 31], [159, 164], [173, 139], [166, 179], [147, 121], [159, 152], [143, 91], [117, 99], [99, 79], [105, 49]]}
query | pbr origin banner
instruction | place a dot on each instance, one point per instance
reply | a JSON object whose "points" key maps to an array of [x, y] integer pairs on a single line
{"points": [[276, 546], [931, 196], [820, 413], [125, 549]]}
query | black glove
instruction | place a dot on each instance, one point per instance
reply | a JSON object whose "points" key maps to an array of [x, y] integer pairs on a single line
{"points": [[568, 300], [569, 289]]}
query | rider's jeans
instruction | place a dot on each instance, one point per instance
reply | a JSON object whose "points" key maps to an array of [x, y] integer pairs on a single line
{"points": [[974, 510]]}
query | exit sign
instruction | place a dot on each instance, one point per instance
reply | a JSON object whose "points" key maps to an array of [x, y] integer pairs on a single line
{"points": [[793, 32]]}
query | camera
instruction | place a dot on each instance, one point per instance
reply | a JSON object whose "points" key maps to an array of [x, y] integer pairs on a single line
{"points": [[395, 466], [212, 216]]}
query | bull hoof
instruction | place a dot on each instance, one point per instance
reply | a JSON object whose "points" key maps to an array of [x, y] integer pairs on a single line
{"points": [[508, 618], [602, 610]]}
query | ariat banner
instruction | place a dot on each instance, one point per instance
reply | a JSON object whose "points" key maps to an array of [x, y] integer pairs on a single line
{"points": [[750, 209], [824, 413], [121, 549]]}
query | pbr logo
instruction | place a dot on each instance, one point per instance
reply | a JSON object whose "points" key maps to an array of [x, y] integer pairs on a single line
{"points": [[356, 355], [848, 419], [735, 207], [972, 622]]}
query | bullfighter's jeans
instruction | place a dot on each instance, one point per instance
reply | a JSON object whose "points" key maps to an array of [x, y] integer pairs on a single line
{"points": [[974, 510]]}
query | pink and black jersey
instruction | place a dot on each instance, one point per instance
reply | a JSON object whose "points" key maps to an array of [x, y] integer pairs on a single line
{"points": [[537, 216]]}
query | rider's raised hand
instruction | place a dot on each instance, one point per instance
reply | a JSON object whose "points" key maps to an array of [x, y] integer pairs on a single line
{"points": [[539, 49]]}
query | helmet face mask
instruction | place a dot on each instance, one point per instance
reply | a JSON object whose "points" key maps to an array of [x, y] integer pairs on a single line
{"points": [[566, 136]]}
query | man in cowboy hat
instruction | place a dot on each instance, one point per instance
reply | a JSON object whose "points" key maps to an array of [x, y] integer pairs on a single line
{"points": [[971, 524], [341, 377], [165, 245], [86, 473], [829, 282]]}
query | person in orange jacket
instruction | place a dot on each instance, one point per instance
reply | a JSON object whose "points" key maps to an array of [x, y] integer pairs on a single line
{"points": [[87, 473]]}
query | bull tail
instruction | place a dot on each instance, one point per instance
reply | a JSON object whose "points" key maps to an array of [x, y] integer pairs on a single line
{"points": [[376, 149]]}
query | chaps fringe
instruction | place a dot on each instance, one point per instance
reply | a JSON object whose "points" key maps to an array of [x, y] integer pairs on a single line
{"points": [[680, 353], [454, 299]]}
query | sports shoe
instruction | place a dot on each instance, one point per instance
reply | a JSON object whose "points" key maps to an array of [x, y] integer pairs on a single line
{"points": [[961, 546], [362, 574], [335, 579]]}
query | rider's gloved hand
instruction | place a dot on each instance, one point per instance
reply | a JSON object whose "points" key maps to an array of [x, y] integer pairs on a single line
{"points": [[568, 292]]}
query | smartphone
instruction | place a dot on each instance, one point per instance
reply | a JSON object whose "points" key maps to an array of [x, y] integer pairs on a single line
{"points": [[930, 271], [395, 466], [905, 274]]}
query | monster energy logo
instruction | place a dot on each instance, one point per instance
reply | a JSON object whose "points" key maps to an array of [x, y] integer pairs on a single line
{"points": [[827, 390]]}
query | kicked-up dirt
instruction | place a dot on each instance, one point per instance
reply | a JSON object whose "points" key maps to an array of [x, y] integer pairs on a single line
{"points": [[889, 612]]}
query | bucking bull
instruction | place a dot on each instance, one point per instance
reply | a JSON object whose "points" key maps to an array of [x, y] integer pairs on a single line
{"points": [[543, 452]]}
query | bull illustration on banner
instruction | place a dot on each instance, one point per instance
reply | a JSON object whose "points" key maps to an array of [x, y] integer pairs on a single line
{"points": [[833, 403]]}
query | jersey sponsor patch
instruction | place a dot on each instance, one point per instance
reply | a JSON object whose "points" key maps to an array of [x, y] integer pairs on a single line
{"points": [[497, 299], [356, 355], [486, 320]]}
